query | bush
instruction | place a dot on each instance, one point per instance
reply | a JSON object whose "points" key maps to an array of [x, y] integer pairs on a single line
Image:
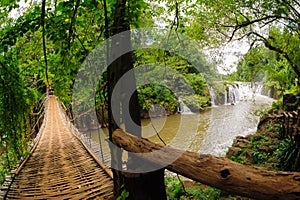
{"points": [[174, 188], [195, 102], [175, 191], [288, 155], [156, 94], [198, 83], [207, 193]]}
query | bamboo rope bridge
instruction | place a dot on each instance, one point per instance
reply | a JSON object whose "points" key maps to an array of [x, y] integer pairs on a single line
{"points": [[60, 166]]}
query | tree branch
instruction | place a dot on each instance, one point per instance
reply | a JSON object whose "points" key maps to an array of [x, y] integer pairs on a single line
{"points": [[81, 43], [278, 50], [214, 171], [247, 23], [296, 2], [271, 19], [292, 8], [176, 22]]}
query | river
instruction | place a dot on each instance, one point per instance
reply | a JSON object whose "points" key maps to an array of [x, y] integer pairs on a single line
{"points": [[215, 130], [210, 132]]}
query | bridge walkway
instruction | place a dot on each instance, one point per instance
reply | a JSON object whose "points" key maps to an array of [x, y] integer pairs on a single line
{"points": [[60, 166]]}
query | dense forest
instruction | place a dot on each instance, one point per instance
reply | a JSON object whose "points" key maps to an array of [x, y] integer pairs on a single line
{"points": [[44, 44]]}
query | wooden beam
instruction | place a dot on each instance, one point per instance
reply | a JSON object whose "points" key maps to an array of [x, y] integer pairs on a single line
{"points": [[218, 172]]}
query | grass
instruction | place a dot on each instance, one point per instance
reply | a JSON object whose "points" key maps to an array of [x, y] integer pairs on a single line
{"points": [[176, 190]]}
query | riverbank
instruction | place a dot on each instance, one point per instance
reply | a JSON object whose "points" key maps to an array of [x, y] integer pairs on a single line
{"points": [[274, 146], [276, 143], [259, 149]]}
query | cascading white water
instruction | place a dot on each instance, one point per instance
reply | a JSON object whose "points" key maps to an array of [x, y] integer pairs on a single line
{"points": [[212, 96], [239, 91], [232, 95], [248, 90], [182, 108]]}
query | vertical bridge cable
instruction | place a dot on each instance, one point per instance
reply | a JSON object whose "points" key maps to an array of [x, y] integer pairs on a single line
{"points": [[96, 148], [100, 144]]}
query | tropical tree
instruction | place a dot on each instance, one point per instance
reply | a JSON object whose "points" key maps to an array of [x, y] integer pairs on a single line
{"points": [[263, 65], [49, 41], [272, 23]]}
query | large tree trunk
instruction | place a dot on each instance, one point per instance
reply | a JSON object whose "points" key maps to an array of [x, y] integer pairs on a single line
{"points": [[217, 172], [139, 185]]}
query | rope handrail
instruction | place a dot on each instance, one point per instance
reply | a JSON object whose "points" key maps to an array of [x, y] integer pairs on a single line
{"points": [[37, 123], [41, 105], [80, 137], [60, 166]]}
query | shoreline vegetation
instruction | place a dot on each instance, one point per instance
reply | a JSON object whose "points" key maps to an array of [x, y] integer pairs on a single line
{"points": [[273, 146], [155, 100], [175, 46]]}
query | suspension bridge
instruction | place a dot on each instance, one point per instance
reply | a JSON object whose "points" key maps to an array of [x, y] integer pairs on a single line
{"points": [[61, 165], [65, 164]]}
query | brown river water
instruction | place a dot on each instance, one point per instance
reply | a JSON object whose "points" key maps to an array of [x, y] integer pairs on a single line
{"points": [[210, 132]]}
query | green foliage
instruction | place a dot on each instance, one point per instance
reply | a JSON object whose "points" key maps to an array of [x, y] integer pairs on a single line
{"points": [[200, 194], [16, 104], [175, 191], [288, 155], [157, 94], [171, 71], [198, 83], [276, 105], [258, 149], [124, 195], [281, 131], [12, 32], [262, 65], [196, 102], [258, 156], [294, 89], [174, 188], [277, 64], [139, 14], [251, 67], [262, 112], [239, 157]]}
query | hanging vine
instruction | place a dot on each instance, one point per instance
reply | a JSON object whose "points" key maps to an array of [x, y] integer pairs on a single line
{"points": [[14, 112]]}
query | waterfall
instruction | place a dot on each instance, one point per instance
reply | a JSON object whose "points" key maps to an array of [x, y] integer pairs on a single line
{"points": [[212, 96], [233, 93], [183, 109], [249, 90]]}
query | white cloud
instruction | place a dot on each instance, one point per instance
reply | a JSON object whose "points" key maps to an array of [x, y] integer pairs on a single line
{"points": [[15, 13]]}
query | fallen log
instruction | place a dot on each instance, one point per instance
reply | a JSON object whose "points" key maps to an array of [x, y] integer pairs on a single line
{"points": [[218, 172]]}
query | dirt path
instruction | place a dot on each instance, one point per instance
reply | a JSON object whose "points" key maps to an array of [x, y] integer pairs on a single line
{"points": [[60, 167]]}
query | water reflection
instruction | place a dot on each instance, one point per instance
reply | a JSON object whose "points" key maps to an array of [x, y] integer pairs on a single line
{"points": [[211, 131], [227, 122], [216, 127]]}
